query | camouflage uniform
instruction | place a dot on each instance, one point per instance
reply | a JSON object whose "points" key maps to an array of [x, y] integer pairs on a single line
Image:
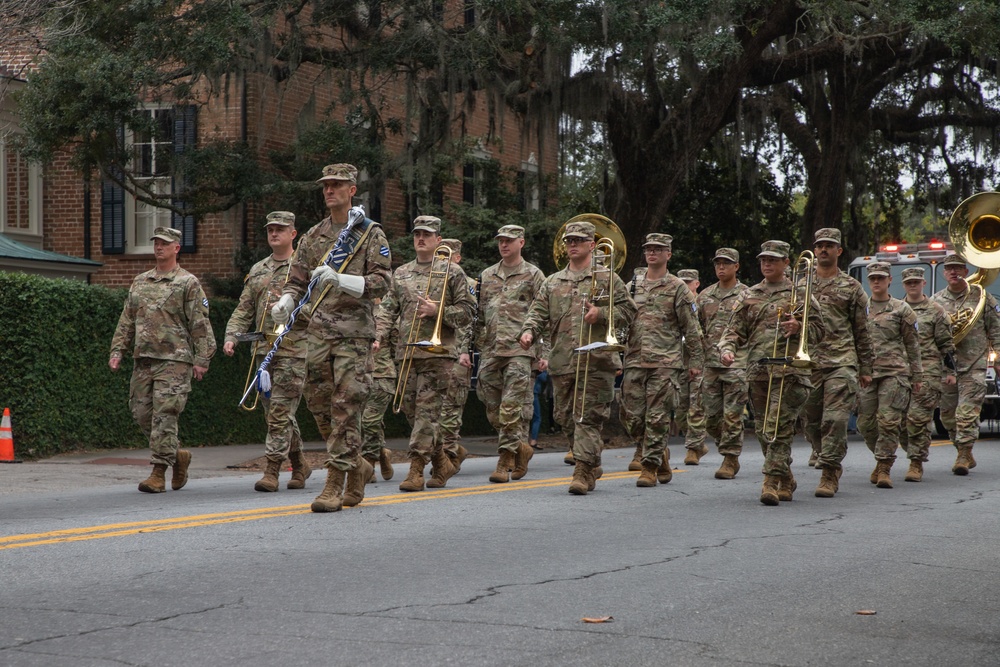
{"points": [[459, 378], [690, 411], [664, 341], [378, 400], [339, 336], [165, 322]]}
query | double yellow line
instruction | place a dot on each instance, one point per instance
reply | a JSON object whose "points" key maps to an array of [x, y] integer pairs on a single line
{"points": [[159, 525]]}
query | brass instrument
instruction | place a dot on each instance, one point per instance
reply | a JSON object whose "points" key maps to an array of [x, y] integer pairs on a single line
{"points": [[975, 233], [803, 270], [604, 228], [433, 344]]}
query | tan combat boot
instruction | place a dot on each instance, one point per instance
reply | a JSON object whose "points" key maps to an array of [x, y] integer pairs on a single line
{"points": [[442, 469], [769, 492], [730, 466], [155, 483], [647, 477], [963, 463], [915, 472], [384, 465], [568, 459], [458, 459], [828, 484], [504, 465], [300, 470], [354, 493], [180, 474], [371, 476], [331, 499], [636, 463], [813, 459], [873, 478], [663, 472], [269, 482], [786, 487], [415, 480], [524, 454], [693, 456], [882, 481], [581, 479]]}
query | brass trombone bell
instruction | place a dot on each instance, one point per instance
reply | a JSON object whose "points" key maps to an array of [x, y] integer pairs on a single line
{"points": [[604, 228]]}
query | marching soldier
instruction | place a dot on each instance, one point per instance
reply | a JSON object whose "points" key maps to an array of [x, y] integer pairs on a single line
{"points": [[664, 352], [165, 322], [379, 397], [690, 411], [341, 329], [840, 363], [893, 329], [569, 305], [261, 289], [961, 403], [504, 385], [777, 392], [418, 289], [457, 393], [937, 360], [723, 390]]}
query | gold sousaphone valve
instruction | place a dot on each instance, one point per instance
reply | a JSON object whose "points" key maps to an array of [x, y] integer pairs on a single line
{"points": [[974, 231]]}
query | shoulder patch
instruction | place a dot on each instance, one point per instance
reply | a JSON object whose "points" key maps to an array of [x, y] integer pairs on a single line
{"points": [[204, 302], [384, 251]]}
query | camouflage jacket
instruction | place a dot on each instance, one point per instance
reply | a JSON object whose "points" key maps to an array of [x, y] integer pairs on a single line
{"points": [[971, 353], [261, 290], [665, 326], [340, 315], [166, 317], [934, 334], [385, 367], [466, 335], [893, 328], [505, 295], [844, 306], [398, 308], [558, 311], [715, 306], [754, 322]]}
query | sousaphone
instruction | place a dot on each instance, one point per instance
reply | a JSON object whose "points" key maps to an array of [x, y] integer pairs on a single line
{"points": [[605, 228], [975, 233]]}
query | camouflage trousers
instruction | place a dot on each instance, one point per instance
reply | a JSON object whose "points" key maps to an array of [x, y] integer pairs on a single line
{"points": [[505, 388], [338, 375], [724, 397], [423, 400], [690, 414], [780, 424], [647, 401], [594, 407], [827, 412], [288, 375], [880, 417], [158, 393], [455, 397], [916, 436], [373, 417], [961, 404]]}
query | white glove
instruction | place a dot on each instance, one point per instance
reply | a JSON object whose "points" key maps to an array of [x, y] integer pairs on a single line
{"points": [[282, 310], [326, 275], [352, 285]]}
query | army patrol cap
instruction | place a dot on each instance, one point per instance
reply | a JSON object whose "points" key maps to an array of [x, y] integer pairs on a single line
{"points": [[778, 249], [731, 254], [828, 234], [879, 269], [913, 273], [339, 172], [168, 234], [454, 244], [687, 275], [580, 230], [665, 240], [281, 218], [953, 259], [510, 232], [427, 223]]}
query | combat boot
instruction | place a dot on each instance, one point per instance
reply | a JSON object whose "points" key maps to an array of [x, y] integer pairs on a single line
{"points": [[873, 478], [730, 466], [356, 481], [581, 479], [458, 459], [663, 472], [915, 472], [786, 487], [636, 463], [504, 465], [269, 482], [693, 456], [813, 459], [180, 474], [524, 454], [828, 483], [442, 469], [882, 478], [384, 465], [769, 492], [647, 477], [962, 462], [331, 499], [300, 470], [371, 476], [415, 480], [155, 483], [568, 459]]}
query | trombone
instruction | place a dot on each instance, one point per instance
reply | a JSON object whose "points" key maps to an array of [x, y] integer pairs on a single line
{"points": [[433, 344], [803, 269]]}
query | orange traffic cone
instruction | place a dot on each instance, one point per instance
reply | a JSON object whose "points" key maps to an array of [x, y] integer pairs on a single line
{"points": [[6, 439]]}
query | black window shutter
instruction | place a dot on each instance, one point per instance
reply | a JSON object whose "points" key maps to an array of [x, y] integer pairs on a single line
{"points": [[185, 136], [113, 211], [469, 183]]}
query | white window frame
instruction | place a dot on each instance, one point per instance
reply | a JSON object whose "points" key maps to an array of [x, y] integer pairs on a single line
{"points": [[136, 242], [35, 190], [532, 188]]}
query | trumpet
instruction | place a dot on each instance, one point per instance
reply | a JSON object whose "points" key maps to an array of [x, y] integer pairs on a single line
{"points": [[803, 269], [433, 344]]}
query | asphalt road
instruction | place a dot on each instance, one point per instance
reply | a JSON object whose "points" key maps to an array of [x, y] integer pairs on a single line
{"points": [[696, 572]]}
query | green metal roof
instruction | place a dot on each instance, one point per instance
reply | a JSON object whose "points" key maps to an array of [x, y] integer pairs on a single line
{"points": [[11, 249]]}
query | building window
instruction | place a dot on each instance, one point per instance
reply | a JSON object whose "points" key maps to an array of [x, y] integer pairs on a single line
{"points": [[20, 196], [470, 13]]}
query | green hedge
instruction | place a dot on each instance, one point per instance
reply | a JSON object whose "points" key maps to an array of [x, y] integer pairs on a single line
{"points": [[54, 376]]}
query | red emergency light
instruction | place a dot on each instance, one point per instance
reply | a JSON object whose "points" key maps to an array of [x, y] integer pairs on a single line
{"points": [[891, 248], [936, 245]]}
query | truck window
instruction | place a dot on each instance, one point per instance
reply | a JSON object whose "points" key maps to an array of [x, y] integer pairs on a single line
{"points": [[860, 273]]}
